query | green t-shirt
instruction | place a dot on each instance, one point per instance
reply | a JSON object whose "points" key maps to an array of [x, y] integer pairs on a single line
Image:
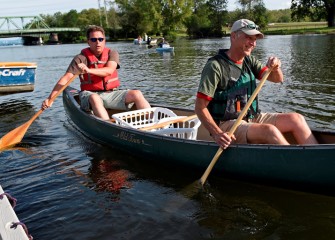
{"points": [[212, 75]]}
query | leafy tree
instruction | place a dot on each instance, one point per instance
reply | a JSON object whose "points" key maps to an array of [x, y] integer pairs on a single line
{"points": [[140, 16], [316, 9], [247, 5], [280, 16], [254, 10], [88, 17], [199, 24], [218, 9], [175, 13], [260, 15]]}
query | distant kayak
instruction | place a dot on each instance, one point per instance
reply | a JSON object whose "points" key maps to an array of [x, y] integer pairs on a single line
{"points": [[165, 48]]}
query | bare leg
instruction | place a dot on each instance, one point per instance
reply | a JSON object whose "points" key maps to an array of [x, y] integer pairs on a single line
{"points": [[136, 96], [297, 125], [265, 134], [98, 107]]}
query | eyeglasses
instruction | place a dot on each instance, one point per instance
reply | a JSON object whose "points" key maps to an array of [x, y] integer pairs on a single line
{"points": [[96, 39], [250, 26]]}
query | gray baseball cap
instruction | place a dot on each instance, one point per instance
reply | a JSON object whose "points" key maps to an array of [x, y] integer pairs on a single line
{"points": [[247, 26]]}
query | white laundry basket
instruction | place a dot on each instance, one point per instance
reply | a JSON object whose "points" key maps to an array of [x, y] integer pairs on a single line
{"points": [[142, 118], [150, 116]]}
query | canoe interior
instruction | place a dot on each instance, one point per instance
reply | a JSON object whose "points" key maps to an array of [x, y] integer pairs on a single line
{"points": [[323, 137]]}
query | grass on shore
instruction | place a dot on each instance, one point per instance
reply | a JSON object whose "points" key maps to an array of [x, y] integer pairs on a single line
{"points": [[299, 28]]}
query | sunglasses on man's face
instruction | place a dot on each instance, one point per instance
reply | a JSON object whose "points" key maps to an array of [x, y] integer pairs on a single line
{"points": [[250, 26], [96, 39]]}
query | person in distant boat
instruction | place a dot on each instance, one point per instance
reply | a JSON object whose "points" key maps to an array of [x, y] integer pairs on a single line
{"points": [[163, 42], [99, 80], [227, 82]]}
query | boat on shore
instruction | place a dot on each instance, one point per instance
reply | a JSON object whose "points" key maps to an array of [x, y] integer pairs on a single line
{"points": [[307, 167], [16, 77], [10, 226]]}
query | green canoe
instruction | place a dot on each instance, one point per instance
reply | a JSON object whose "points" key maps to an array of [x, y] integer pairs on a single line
{"points": [[307, 166]]}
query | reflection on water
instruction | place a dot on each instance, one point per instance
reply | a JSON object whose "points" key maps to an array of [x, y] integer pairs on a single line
{"points": [[109, 176], [69, 187], [14, 112]]}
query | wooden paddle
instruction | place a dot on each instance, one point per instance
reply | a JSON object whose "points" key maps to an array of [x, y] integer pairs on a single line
{"points": [[234, 127], [163, 124], [15, 136]]}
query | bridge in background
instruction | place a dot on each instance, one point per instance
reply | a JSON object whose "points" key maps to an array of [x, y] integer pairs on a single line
{"points": [[31, 28]]}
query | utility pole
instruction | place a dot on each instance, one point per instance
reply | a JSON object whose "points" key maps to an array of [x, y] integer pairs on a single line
{"points": [[100, 12], [106, 14]]}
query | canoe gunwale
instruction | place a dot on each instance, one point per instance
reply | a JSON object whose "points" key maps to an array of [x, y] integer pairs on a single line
{"points": [[311, 166], [201, 142], [18, 65]]}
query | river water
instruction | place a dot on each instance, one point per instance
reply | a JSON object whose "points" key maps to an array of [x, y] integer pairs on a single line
{"points": [[69, 187]]}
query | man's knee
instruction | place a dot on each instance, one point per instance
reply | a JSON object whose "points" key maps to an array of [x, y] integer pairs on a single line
{"points": [[95, 99], [134, 95], [270, 130]]}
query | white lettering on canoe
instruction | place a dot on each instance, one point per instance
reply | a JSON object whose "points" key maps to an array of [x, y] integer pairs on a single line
{"points": [[130, 138], [8, 72]]}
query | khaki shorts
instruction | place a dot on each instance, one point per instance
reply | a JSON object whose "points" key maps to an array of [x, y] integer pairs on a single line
{"points": [[242, 130], [111, 99]]}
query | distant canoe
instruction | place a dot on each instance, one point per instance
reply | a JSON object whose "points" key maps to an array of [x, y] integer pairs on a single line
{"points": [[143, 42], [140, 42], [16, 77]]}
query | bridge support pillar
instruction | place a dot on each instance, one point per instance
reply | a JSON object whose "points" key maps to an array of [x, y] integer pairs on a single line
{"points": [[53, 39]]}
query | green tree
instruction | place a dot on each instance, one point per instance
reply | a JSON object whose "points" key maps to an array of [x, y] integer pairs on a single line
{"points": [[254, 10], [89, 17], [280, 16], [260, 15], [175, 13], [199, 24], [140, 16], [247, 5], [218, 9], [315, 9]]}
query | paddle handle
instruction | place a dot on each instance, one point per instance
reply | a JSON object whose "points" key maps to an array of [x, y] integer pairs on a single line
{"points": [[236, 124], [163, 124]]}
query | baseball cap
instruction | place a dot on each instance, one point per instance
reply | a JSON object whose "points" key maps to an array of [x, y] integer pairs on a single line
{"points": [[247, 26]]}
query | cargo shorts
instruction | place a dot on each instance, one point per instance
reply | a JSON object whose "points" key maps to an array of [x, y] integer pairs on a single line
{"points": [[111, 100], [242, 130]]}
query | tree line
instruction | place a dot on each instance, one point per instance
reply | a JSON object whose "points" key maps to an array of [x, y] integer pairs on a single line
{"points": [[198, 18]]}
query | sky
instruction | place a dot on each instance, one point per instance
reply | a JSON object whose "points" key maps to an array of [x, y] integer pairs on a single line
{"points": [[36, 7]]}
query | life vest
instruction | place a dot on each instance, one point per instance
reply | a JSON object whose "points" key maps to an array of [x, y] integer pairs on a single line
{"points": [[92, 82], [229, 99]]}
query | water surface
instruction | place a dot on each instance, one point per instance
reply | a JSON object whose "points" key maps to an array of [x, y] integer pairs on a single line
{"points": [[69, 187]]}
